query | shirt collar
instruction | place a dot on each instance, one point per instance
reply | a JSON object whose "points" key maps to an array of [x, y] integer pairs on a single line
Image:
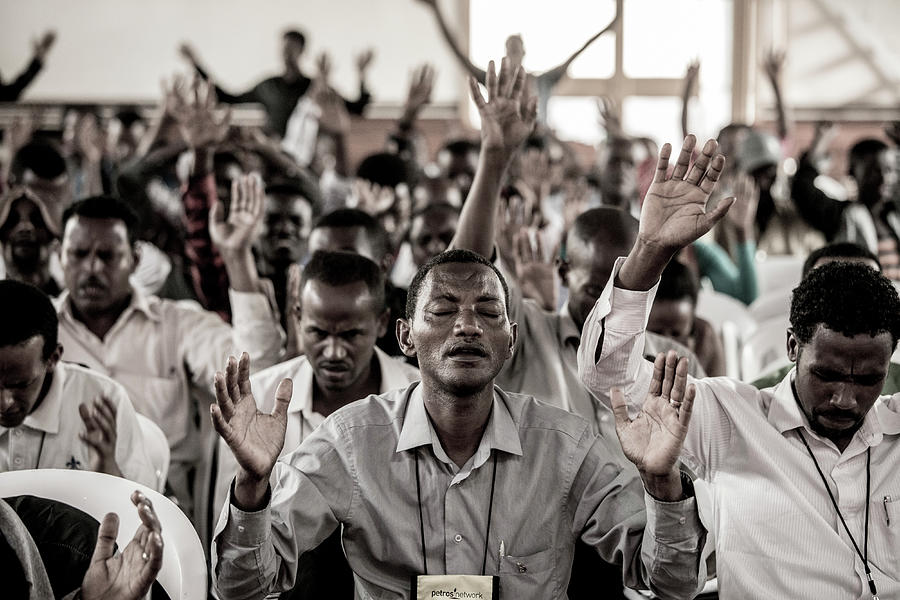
{"points": [[46, 416], [568, 330], [140, 302], [392, 377], [500, 433], [785, 415]]}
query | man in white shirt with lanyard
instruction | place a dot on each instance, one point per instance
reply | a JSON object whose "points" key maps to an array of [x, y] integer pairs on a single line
{"points": [[803, 476], [57, 415]]}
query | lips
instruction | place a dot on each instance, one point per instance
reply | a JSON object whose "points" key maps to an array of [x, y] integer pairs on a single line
{"points": [[467, 351], [334, 369], [838, 421]]}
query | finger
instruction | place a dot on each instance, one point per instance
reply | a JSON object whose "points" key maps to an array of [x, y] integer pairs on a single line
{"points": [[529, 114], [106, 538], [106, 409], [220, 424], [659, 367], [256, 196], [231, 380], [490, 81], [716, 214], [684, 157], [223, 400], [94, 444], [539, 249], [145, 511], [662, 165], [235, 195], [283, 398], [669, 377], [294, 274], [508, 80], [687, 407], [619, 407], [153, 547], [678, 387], [243, 374], [86, 417], [699, 167], [711, 177], [518, 87]]}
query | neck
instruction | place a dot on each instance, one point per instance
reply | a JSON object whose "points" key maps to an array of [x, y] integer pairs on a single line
{"points": [[459, 420], [291, 72], [45, 387], [327, 401], [100, 323]]}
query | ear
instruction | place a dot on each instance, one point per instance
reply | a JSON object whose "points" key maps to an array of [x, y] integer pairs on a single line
{"points": [[513, 335], [562, 267], [54, 357], [404, 338], [135, 256], [793, 345], [383, 318]]}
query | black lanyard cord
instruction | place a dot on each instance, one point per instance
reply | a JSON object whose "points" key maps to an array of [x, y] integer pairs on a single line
{"points": [[864, 555], [422, 519]]}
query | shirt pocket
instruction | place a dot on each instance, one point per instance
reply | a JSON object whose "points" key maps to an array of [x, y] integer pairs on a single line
{"points": [[884, 536], [539, 562]]}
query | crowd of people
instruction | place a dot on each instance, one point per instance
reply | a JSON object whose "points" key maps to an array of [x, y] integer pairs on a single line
{"points": [[482, 372]]}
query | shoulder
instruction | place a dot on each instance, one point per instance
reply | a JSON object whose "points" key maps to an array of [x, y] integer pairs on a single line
{"points": [[83, 382], [529, 413]]}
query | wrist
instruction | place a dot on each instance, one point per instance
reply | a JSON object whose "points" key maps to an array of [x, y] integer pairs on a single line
{"points": [[643, 266], [250, 491], [667, 487]]}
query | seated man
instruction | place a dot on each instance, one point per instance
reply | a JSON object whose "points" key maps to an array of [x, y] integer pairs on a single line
{"points": [[110, 575], [340, 314], [57, 415], [448, 476], [793, 471], [29, 238], [674, 315], [163, 352]]}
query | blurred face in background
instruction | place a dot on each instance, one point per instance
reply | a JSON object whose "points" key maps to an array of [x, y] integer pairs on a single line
{"points": [[285, 229], [27, 241], [430, 233]]}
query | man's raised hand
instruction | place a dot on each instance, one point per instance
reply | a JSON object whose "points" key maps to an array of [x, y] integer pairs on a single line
{"points": [[254, 437], [508, 115], [653, 440]]}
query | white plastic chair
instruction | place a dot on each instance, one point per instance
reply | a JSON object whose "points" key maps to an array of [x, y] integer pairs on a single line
{"points": [[157, 449], [732, 322], [765, 350], [773, 304], [183, 573], [777, 272]]}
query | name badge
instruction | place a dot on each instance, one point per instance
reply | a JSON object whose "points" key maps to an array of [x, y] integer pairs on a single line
{"points": [[456, 587]]}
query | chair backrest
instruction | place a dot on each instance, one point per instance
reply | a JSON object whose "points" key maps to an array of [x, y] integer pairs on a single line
{"points": [[157, 448], [772, 305], [777, 272], [732, 322], [765, 350], [183, 574]]}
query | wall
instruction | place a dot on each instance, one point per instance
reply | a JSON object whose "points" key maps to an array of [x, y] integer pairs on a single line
{"points": [[117, 50]]}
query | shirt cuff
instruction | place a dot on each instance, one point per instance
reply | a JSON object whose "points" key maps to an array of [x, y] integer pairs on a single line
{"points": [[247, 529], [672, 522], [632, 306]]}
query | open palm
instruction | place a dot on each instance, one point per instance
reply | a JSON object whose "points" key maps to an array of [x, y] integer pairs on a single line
{"points": [[508, 115], [653, 440], [674, 212], [238, 231], [254, 437]]}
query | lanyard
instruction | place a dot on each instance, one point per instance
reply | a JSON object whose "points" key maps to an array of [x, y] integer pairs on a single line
{"points": [[422, 520], [864, 555]]}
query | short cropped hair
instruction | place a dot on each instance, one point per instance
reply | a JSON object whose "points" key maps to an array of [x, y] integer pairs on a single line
{"points": [[42, 157], [302, 186], [456, 255], [343, 268], [29, 313], [677, 283], [105, 207], [838, 250], [295, 36], [618, 227], [385, 169], [344, 218], [849, 298], [863, 148]]}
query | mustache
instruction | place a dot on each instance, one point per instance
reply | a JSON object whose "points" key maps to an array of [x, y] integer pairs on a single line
{"points": [[467, 348], [93, 281]]}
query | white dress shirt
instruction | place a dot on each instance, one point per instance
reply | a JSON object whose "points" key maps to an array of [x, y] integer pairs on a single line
{"points": [[302, 419], [776, 532], [48, 438], [165, 353]]}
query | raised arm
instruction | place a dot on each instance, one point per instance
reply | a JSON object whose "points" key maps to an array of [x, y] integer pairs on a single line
{"points": [[507, 118], [189, 54], [690, 84], [11, 92], [479, 74], [559, 71], [774, 66]]}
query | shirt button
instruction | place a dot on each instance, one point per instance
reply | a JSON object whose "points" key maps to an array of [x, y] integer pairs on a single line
{"points": [[18, 460], [457, 538], [18, 432], [682, 520], [241, 528]]}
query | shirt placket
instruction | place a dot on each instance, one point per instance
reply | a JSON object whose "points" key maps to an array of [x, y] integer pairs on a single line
{"points": [[460, 538], [849, 479]]}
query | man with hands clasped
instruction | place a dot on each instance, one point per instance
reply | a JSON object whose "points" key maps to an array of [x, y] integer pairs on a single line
{"points": [[452, 483], [802, 476]]}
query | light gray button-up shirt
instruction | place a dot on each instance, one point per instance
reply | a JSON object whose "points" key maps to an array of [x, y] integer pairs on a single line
{"points": [[555, 482]]}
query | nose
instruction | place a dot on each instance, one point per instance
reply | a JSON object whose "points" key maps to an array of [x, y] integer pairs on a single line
{"points": [[6, 400], [435, 247], [334, 349], [467, 324], [843, 398]]}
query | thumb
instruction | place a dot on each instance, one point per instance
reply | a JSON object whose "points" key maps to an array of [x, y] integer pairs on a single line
{"points": [[216, 213], [715, 215], [106, 538], [283, 398], [619, 407]]}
